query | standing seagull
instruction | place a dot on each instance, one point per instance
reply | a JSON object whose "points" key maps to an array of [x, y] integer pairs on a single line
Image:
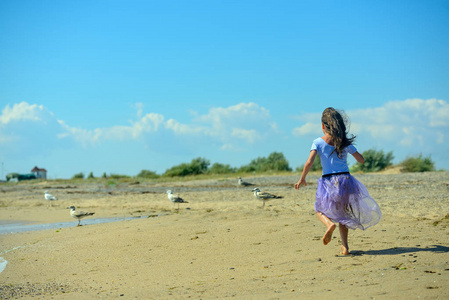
{"points": [[79, 214], [49, 197], [264, 196], [175, 198], [244, 183]]}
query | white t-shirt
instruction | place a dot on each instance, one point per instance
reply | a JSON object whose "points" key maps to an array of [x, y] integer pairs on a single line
{"points": [[331, 163]]}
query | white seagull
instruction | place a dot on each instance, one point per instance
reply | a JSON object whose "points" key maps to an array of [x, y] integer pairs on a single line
{"points": [[79, 214], [175, 198], [244, 183], [49, 197], [264, 196]]}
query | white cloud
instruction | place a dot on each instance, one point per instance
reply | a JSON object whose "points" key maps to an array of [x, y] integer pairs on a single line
{"points": [[147, 124], [27, 129], [229, 128], [25, 112], [240, 115], [151, 122], [307, 129], [139, 107], [251, 136], [409, 122], [244, 122], [183, 129], [311, 126]]}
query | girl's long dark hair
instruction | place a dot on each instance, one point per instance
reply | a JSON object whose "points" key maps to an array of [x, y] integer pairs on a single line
{"points": [[335, 124]]}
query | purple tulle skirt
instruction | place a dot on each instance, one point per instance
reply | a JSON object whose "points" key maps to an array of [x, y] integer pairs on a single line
{"points": [[345, 200]]}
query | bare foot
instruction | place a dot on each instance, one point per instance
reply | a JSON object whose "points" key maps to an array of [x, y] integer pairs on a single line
{"points": [[328, 235], [344, 251]]}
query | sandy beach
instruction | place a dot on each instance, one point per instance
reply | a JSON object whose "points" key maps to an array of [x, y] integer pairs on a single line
{"points": [[223, 243]]}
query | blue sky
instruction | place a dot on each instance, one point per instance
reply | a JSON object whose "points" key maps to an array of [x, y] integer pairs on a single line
{"points": [[122, 86]]}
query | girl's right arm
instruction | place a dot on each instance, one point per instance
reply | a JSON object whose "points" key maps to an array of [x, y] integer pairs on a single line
{"points": [[358, 157], [305, 171]]}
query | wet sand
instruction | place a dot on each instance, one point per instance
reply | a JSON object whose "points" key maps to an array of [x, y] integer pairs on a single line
{"points": [[223, 244]]}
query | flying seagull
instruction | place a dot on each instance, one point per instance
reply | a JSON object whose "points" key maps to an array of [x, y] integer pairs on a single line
{"points": [[49, 197], [264, 196], [175, 198], [244, 183], [79, 214]]}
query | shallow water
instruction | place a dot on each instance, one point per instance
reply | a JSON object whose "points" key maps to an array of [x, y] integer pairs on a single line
{"points": [[8, 227], [3, 263]]}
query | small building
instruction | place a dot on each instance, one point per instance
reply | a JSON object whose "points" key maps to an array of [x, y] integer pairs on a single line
{"points": [[39, 173]]}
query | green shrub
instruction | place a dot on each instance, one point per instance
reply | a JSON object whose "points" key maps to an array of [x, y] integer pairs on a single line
{"points": [[79, 175], [11, 176], [26, 177], [197, 166], [147, 174], [90, 176], [277, 162], [374, 161], [118, 176], [274, 162], [218, 168], [418, 164], [315, 167]]}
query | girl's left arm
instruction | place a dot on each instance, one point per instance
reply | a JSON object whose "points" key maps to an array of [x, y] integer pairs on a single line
{"points": [[305, 171]]}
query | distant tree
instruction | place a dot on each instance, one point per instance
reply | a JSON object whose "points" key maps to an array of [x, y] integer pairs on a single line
{"points": [[199, 165], [78, 176], [374, 161], [218, 168], [104, 175], [118, 176], [26, 177], [256, 165], [418, 164], [11, 176], [196, 166], [147, 174], [276, 161], [90, 176]]}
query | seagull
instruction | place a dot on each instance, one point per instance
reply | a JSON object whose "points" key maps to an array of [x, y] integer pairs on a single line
{"points": [[175, 198], [79, 214], [49, 197], [244, 183], [264, 196]]}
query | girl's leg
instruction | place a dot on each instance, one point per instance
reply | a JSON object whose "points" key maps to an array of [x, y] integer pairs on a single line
{"points": [[330, 227], [344, 239]]}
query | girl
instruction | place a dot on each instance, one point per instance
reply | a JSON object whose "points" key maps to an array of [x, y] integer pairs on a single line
{"points": [[340, 198]]}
